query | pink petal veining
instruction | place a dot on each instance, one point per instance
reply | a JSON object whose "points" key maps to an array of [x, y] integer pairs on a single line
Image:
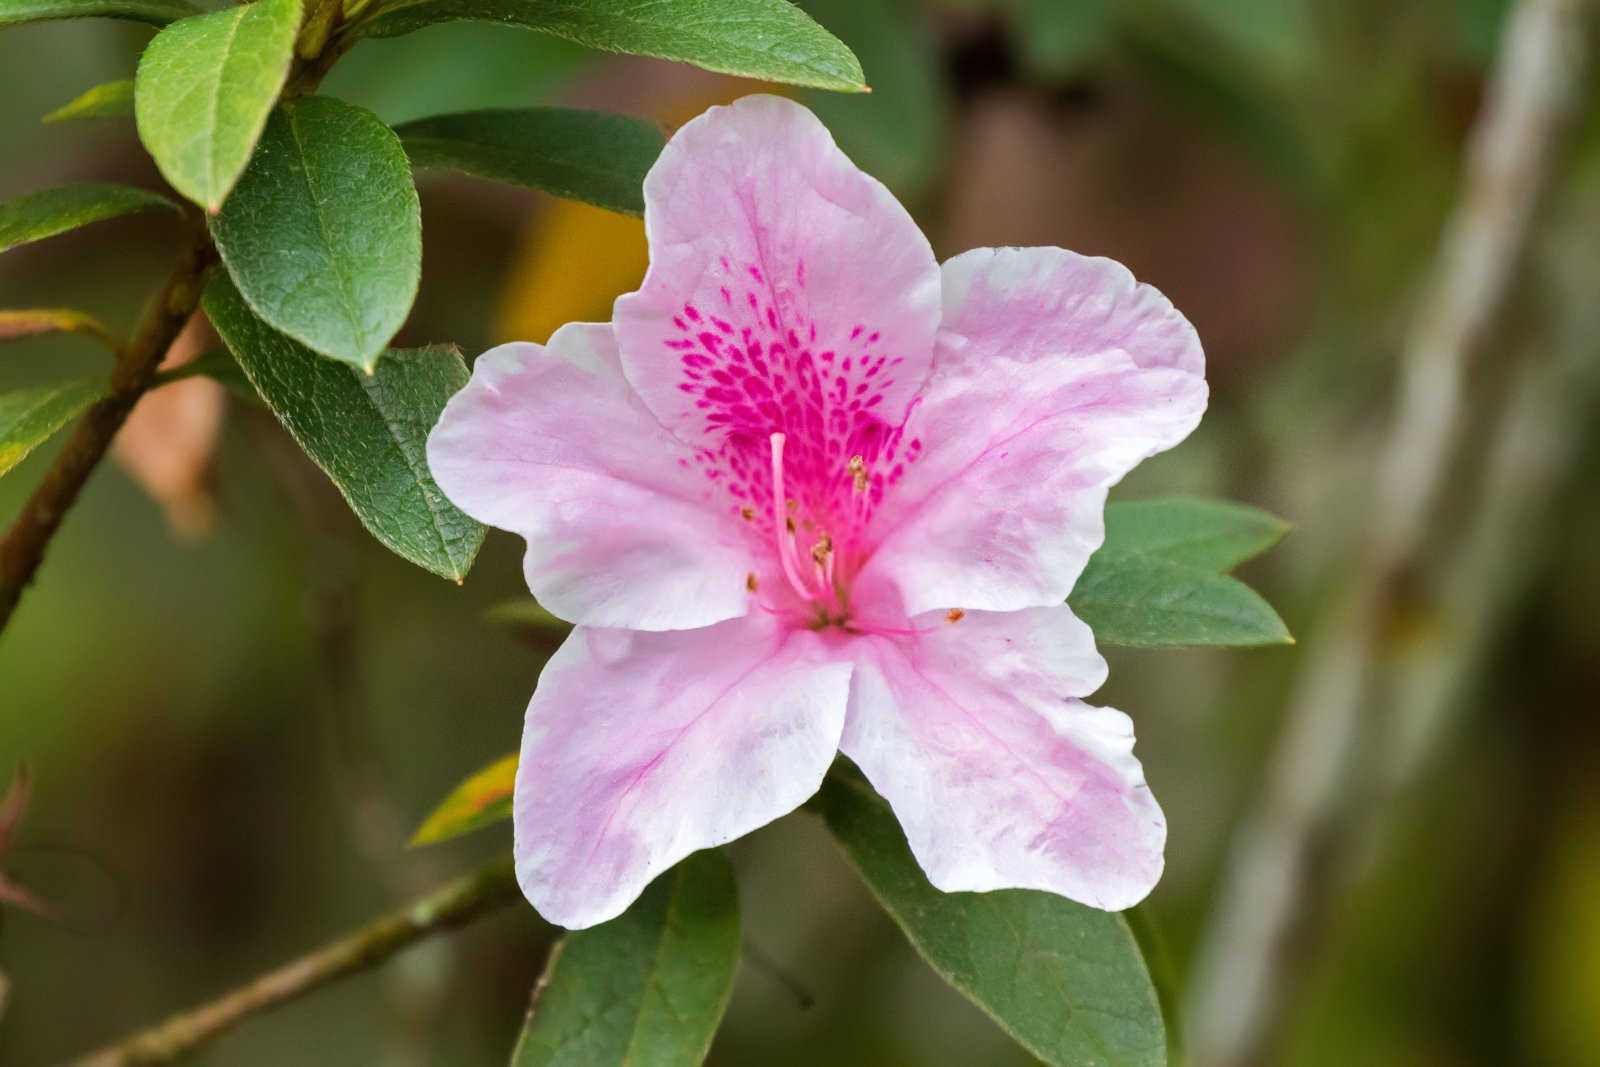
{"points": [[640, 748]]}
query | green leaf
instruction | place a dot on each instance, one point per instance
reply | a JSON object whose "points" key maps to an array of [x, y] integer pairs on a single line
{"points": [[1158, 578], [157, 12], [1214, 535], [591, 156], [648, 987], [480, 800], [45, 214], [29, 416], [368, 432], [1066, 981], [897, 132], [768, 39], [204, 89], [103, 101], [1150, 603], [323, 234]]}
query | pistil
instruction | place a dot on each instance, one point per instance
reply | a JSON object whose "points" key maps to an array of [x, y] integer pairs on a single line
{"points": [[783, 526]]}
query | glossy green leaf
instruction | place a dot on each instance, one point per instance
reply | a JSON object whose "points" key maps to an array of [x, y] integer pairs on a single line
{"points": [[646, 988], [1067, 981], [368, 432], [45, 214], [217, 364], [482, 799], [204, 89], [581, 155], [1158, 579], [897, 132], [768, 39], [156, 12], [1214, 535], [323, 233], [110, 100], [28, 417], [1153, 603]]}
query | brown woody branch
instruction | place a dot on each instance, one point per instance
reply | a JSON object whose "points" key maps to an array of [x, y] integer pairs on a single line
{"points": [[457, 904], [25, 541]]}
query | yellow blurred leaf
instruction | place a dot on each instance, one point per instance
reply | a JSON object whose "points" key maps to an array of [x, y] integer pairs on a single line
{"points": [[480, 800], [578, 259]]}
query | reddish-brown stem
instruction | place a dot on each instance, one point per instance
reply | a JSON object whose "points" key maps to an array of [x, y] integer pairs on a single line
{"points": [[23, 547]]}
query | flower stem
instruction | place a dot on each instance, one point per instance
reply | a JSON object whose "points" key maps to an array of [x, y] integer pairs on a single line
{"points": [[471, 897]]}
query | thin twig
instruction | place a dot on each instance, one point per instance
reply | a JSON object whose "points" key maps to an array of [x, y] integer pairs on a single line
{"points": [[24, 544], [539, 986], [457, 904], [543, 982], [1288, 861]]}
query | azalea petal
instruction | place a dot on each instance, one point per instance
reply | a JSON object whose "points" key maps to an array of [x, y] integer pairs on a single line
{"points": [[1000, 778], [1054, 375], [641, 748], [551, 443], [787, 292]]}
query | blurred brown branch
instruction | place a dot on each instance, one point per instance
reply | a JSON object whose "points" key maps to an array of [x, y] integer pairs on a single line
{"points": [[1343, 752], [457, 904]]}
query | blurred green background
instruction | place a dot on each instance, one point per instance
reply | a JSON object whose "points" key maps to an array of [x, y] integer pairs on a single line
{"points": [[237, 705]]}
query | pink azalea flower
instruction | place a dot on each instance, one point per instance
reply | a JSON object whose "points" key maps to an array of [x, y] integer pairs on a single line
{"points": [[808, 492]]}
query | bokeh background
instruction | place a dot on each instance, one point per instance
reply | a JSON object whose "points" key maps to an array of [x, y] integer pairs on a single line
{"points": [[237, 705]]}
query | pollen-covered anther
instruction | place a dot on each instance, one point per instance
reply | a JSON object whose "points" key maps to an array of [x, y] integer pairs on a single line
{"points": [[750, 582], [748, 514], [954, 615], [858, 473], [822, 550]]}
